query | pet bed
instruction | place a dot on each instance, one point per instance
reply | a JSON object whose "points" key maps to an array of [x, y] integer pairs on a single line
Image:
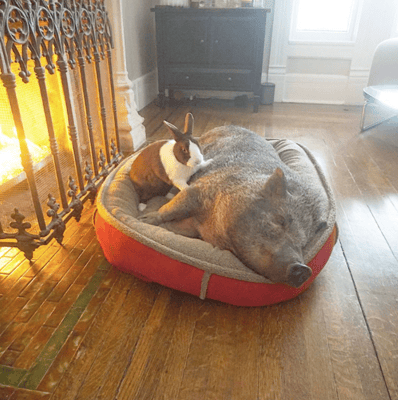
{"points": [[154, 254]]}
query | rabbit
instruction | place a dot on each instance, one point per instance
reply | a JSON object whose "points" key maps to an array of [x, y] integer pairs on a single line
{"points": [[164, 164]]}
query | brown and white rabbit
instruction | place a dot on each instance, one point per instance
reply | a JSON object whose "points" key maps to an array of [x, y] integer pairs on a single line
{"points": [[164, 164]]}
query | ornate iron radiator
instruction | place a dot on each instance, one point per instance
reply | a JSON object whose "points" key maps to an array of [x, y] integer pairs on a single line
{"points": [[66, 110]]}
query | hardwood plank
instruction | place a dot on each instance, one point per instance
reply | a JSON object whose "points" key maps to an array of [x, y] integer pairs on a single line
{"points": [[196, 375], [9, 335], [24, 394], [8, 252], [49, 268], [372, 265], [33, 305], [233, 370], [53, 346], [146, 295], [122, 339], [270, 366], [8, 314], [378, 193], [9, 356], [6, 392], [382, 145], [150, 380], [61, 276], [75, 260], [137, 371], [61, 362], [171, 375], [12, 279], [63, 306], [28, 330], [368, 253], [70, 347], [382, 316], [246, 379], [155, 128], [221, 373], [12, 293], [355, 378], [11, 264], [28, 356], [74, 376]]}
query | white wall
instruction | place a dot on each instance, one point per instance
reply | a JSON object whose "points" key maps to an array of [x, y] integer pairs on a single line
{"points": [[327, 73], [140, 40]]}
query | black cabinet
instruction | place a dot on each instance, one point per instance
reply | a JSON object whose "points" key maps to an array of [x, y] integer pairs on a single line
{"points": [[210, 49]]}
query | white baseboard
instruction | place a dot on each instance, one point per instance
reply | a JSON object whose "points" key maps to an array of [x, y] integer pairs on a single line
{"points": [[145, 89], [294, 88], [357, 81], [319, 89], [322, 89], [131, 129]]}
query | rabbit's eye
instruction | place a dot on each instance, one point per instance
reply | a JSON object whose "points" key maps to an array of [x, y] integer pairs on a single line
{"points": [[184, 150]]}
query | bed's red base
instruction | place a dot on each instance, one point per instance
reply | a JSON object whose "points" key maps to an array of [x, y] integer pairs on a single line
{"points": [[133, 257]]}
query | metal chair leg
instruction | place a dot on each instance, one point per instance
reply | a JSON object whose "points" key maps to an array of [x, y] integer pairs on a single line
{"points": [[362, 123], [363, 115]]}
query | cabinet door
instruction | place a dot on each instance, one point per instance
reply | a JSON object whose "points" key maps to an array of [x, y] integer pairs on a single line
{"points": [[233, 41], [187, 40]]}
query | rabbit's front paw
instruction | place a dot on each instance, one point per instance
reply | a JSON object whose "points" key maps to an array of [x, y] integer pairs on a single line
{"points": [[206, 163], [181, 184], [152, 218]]}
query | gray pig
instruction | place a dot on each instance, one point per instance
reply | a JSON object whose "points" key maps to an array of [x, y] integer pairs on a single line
{"points": [[249, 202]]}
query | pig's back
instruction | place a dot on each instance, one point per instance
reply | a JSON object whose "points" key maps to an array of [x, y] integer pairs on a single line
{"points": [[239, 155]]}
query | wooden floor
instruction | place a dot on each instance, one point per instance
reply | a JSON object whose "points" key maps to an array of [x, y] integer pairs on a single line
{"points": [[73, 327]]}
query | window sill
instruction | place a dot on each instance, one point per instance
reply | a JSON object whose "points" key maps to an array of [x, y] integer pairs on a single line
{"points": [[321, 43]]}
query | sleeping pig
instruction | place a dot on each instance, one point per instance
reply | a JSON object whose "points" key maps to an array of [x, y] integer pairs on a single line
{"points": [[249, 202]]}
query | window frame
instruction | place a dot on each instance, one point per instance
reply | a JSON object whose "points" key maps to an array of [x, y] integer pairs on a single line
{"points": [[330, 37]]}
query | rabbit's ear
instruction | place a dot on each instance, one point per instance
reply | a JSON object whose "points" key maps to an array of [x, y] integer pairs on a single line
{"points": [[188, 129], [174, 130]]}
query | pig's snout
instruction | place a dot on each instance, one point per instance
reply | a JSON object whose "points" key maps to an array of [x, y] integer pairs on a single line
{"points": [[297, 274]]}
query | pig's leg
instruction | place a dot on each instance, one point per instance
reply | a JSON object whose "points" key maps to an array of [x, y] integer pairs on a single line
{"points": [[182, 206], [185, 227]]}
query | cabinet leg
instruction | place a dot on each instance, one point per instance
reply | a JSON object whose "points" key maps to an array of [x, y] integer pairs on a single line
{"points": [[256, 103]]}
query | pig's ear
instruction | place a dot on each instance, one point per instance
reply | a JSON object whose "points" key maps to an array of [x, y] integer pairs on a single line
{"points": [[275, 186], [297, 274]]}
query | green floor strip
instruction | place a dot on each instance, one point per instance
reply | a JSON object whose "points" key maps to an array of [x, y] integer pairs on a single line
{"points": [[11, 376], [32, 378]]}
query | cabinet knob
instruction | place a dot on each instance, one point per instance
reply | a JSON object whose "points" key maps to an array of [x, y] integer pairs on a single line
{"points": [[229, 79], [216, 41], [187, 77], [202, 40]]}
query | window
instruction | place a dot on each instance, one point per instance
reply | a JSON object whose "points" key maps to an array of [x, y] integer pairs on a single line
{"points": [[325, 21]]}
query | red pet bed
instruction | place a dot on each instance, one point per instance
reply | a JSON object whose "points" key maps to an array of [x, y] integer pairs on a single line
{"points": [[154, 254]]}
